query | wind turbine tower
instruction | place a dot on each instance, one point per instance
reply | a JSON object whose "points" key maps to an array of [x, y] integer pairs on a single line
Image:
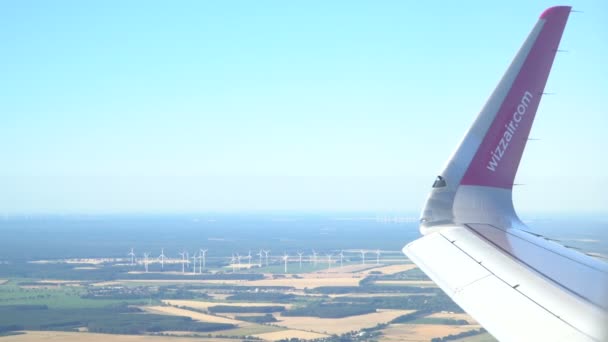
{"points": [[132, 255], [363, 257], [266, 252], [328, 261], [202, 253], [341, 257], [285, 258], [314, 258], [183, 254], [232, 262], [300, 255], [194, 263], [162, 259], [260, 255], [377, 257], [249, 259], [146, 261]]}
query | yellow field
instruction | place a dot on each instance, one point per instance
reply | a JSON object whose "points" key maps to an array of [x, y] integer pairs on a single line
{"points": [[392, 269], [422, 332], [307, 283], [405, 282], [32, 336], [168, 310], [204, 305], [339, 325], [452, 315], [287, 334], [325, 275], [363, 270]]}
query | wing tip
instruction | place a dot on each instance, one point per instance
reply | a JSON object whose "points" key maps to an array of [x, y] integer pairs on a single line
{"points": [[555, 11]]}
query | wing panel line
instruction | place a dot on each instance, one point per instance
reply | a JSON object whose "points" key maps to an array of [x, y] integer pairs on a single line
{"points": [[514, 288], [552, 280]]}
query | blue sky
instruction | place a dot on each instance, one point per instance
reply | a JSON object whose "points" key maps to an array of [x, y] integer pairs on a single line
{"points": [[144, 106]]}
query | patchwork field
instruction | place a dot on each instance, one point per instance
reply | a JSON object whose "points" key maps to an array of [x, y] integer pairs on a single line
{"points": [[250, 330], [204, 305], [285, 334], [392, 269], [169, 310], [31, 336], [456, 316], [346, 269], [339, 325], [307, 282], [371, 295], [298, 283], [422, 332], [60, 282], [485, 337], [216, 296], [182, 281], [421, 283]]}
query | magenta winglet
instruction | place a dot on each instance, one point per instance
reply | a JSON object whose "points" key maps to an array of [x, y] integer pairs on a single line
{"points": [[496, 160], [556, 11]]}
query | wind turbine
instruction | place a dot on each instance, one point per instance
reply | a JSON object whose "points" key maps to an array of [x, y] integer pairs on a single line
{"points": [[314, 258], [132, 255], [341, 257], [183, 254], [377, 257], [363, 257], [146, 261], [232, 261], [202, 264], [249, 260], [162, 258], [285, 258], [194, 257], [260, 255], [329, 261], [300, 255], [267, 252], [187, 257], [238, 259]]}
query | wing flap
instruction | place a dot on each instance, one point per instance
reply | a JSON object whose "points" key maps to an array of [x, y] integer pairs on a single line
{"points": [[510, 300]]}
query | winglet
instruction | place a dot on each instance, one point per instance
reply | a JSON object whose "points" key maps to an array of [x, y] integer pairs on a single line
{"points": [[555, 11], [476, 184], [497, 158]]}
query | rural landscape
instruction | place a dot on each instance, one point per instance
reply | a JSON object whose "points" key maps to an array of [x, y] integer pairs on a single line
{"points": [[271, 279]]}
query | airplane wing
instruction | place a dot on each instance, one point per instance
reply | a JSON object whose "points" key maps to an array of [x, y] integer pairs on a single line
{"points": [[519, 286]]}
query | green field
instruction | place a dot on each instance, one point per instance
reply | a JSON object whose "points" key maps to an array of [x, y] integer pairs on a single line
{"points": [[55, 298]]}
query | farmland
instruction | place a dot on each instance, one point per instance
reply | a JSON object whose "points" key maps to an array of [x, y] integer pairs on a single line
{"points": [[32, 336], [421, 332], [320, 304], [73, 293], [340, 325]]}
